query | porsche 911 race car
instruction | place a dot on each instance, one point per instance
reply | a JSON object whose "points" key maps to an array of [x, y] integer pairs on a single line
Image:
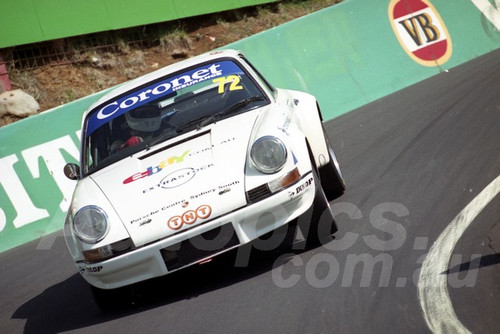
{"points": [[191, 161]]}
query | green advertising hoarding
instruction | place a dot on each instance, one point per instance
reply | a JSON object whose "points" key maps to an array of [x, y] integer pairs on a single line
{"points": [[32, 21]]}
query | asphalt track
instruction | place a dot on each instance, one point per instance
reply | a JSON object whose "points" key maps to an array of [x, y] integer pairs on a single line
{"points": [[413, 161]]}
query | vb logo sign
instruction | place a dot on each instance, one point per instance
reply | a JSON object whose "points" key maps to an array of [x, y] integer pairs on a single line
{"points": [[189, 217], [420, 31]]}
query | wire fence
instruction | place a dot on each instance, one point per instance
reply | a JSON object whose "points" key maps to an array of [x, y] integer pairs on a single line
{"points": [[75, 49]]}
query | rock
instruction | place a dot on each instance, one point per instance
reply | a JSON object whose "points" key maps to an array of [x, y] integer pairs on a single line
{"points": [[18, 103], [179, 54]]}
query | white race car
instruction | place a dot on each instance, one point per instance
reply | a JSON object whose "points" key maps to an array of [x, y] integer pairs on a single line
{"points": [[191, 161]]}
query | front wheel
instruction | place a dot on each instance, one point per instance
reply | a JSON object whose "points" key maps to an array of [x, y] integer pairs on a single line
{"points": [[331, 178], [319, 226]]}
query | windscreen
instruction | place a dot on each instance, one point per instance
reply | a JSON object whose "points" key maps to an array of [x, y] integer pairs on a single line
{"points": [[161, 110]]}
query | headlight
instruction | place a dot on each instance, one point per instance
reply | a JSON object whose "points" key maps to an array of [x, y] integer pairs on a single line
{"points": [[90, 224], [268, 154]]}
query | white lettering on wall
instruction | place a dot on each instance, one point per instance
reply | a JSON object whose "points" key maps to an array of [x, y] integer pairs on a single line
{"points": [[492, 13], [27, 212], [51, 154]]}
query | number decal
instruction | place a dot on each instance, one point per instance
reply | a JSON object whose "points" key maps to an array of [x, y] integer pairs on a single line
{"points": [[221, 82], [235, 82], [233, 79]]}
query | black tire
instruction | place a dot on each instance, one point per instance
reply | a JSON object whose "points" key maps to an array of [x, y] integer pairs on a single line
{"points": [[332, 181], [318, 226], [113, 299]]}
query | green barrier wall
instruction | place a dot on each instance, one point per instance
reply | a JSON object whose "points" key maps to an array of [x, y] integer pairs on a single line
{"points": [[347, 55], [31, 21]]}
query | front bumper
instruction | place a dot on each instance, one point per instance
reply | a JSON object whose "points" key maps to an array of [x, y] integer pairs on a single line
{"points": [[232, 230]]}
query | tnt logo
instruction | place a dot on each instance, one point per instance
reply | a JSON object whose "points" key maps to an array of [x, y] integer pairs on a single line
{"points": [[420, 31], [189, 217]]}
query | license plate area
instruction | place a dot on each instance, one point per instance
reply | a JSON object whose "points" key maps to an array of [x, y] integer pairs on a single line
{"points": [[200, 247]]}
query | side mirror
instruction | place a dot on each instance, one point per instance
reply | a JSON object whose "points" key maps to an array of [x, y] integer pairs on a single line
{"points": [[72, 171]]}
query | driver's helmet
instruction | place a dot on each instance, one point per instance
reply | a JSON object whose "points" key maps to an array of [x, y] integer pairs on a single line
{"points": [[144, 118]]}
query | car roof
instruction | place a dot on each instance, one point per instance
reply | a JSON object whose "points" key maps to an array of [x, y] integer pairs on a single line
{"points": [[209, 56]]}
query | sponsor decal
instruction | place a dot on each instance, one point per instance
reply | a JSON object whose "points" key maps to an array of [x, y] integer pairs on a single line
{"points": [[145, 217], [189, 217], [95, 269], [177, 178], [226, 190], [226, 141], [159, 89], [182, 203], [303, 186], [227, 187], [285, 126], [300, 188], [421, 31], [145, 222], [151, 170], [195, 152], [202, 193]]}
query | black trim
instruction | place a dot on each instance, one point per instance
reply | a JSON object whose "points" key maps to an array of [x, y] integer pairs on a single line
{"points": [[258, 194], [199, 247], [262, 192], [147, 155]]}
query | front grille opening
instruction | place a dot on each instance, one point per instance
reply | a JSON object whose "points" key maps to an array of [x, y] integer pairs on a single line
{"points": [[258, 194]]}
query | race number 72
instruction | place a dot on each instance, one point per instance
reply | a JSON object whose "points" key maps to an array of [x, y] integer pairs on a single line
{"points": [[233, 79]]}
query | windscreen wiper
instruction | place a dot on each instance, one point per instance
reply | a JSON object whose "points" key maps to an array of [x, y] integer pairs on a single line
{"points": [[235, 107], [243, 103], [201, 122]]}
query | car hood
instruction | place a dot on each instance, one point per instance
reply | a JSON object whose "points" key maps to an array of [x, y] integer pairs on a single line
{"points": [[181, 183]]}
